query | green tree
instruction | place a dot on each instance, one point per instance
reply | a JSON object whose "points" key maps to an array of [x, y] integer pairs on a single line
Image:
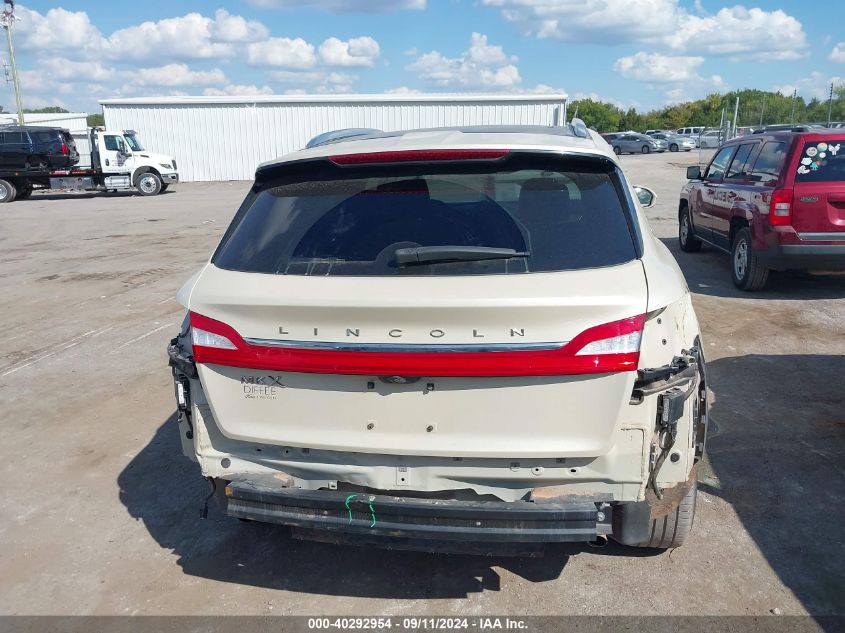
{"points": [[96, 120], [47, 110]]}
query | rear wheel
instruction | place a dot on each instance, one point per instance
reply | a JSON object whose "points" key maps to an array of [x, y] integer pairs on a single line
{"points": [[617, 150], [689, 242], [673, 147], [646, 149], [7, 191], [674, 528], [149, 184], [746, 270]]}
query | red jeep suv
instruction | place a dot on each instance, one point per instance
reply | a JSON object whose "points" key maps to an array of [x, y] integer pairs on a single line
{"points": [[774, 201]]}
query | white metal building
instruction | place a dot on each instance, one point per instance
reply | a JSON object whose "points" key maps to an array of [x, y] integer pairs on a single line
{"points": [[76, 122], [225, 138]]}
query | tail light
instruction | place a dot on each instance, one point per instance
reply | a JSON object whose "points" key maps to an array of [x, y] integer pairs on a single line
{"points": [[65, 150], [609, 348], [414, 156], [780, 212]]}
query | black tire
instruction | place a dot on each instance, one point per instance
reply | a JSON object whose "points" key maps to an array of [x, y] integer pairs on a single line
{"points": [[686, 236], [674, 528], [673, 147], [149, 184], [164, 187], [646, 149], [7, 191], [617, 150], [746, 270], [24, 193]]}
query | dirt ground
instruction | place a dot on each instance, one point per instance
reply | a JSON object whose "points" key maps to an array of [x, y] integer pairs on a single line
{"points": [[99, 511]]}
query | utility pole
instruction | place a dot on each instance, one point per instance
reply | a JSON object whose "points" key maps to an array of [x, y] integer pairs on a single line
{"points": [[736, 116], [830, 104], [762, 110], [6, 20], [792, 114]]}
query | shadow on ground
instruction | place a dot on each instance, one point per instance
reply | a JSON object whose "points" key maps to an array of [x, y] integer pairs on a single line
{"points": [[708, 272], [777, 451]]}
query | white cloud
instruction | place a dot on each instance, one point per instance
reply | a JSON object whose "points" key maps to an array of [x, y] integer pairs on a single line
{"points": [[343, 6], [317, 80], [238, 90], [732, 31], [838, 53], [403, 90], [482, 65], [57, 30], [235, 28], [357, 51], [815, 85], [189, 36], [281, 52], [657, 68], [177, 75]]}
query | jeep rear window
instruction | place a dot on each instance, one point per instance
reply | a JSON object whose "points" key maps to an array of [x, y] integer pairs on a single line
{"points": [[565, 213], [822, 161]]}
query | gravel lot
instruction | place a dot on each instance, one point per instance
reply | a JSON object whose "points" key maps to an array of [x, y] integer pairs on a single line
{"points": [[99, 510]]}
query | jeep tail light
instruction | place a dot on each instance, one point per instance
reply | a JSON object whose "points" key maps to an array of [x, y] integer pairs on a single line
{"points": [[780, 212], [609, 348], [64, 149]]}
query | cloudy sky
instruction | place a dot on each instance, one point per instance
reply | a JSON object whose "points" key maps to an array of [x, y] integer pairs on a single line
{"points": [[645, 53]]}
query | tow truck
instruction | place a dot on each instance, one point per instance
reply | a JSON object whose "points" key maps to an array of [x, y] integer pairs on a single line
{"points": [[118, 163]]}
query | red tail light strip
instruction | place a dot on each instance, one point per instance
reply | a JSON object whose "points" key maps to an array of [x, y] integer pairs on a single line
{"points": [[557, 362], [425, 155]]}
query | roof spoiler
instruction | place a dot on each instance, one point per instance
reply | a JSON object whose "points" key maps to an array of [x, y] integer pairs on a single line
{"points": [[336, 136]]}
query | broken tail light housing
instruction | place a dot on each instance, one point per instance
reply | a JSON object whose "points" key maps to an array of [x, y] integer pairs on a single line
{"points": [[608, 348]]}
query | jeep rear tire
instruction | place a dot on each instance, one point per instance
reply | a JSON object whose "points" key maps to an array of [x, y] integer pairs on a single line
{"points": [[7, 191], [689, 242], [746, 270], [149, 184]]}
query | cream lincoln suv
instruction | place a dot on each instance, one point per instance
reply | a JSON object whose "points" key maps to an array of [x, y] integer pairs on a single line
{"points": [[450, 340]]}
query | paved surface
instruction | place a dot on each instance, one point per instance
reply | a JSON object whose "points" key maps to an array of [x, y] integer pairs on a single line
{"points": [[99, 510]]}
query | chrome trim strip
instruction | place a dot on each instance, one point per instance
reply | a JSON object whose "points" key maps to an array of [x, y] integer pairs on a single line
{"points": [[822, 237], [399, 348]]}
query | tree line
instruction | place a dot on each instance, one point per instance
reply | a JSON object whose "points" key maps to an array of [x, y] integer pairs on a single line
{"points": [[756, 107]]}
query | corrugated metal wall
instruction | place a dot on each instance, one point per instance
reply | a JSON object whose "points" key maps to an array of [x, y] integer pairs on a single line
{"points": [[227, 139]]}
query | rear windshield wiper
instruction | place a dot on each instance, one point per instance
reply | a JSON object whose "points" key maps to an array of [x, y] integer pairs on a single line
{"points": [[438, 254]]}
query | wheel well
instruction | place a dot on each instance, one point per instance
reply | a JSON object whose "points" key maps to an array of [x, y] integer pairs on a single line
{"points": [[736, 225], [143, 170], [682, 206]]}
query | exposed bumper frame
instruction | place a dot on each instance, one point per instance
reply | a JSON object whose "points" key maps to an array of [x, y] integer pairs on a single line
{"points": [[428, 519]]}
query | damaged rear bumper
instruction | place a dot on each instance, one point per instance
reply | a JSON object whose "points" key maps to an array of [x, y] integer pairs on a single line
{"points": [[389, 516]]}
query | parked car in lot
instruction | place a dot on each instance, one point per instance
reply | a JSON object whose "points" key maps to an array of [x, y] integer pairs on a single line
{"points": [[441, 340], [637, 144], [34, 147], [710, 139], [690, 131], [774, 201], [653, 132], [675, 142]]}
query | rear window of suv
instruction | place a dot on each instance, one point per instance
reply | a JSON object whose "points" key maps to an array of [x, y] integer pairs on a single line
{"points": [[554, 213], [822, 161]]}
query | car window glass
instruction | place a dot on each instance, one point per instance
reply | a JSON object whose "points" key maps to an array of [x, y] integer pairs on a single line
{"points": [[739, 165], [822, 161], [14, 137], [113, 143], [717, 168], [769, 162], [564, 214]]}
